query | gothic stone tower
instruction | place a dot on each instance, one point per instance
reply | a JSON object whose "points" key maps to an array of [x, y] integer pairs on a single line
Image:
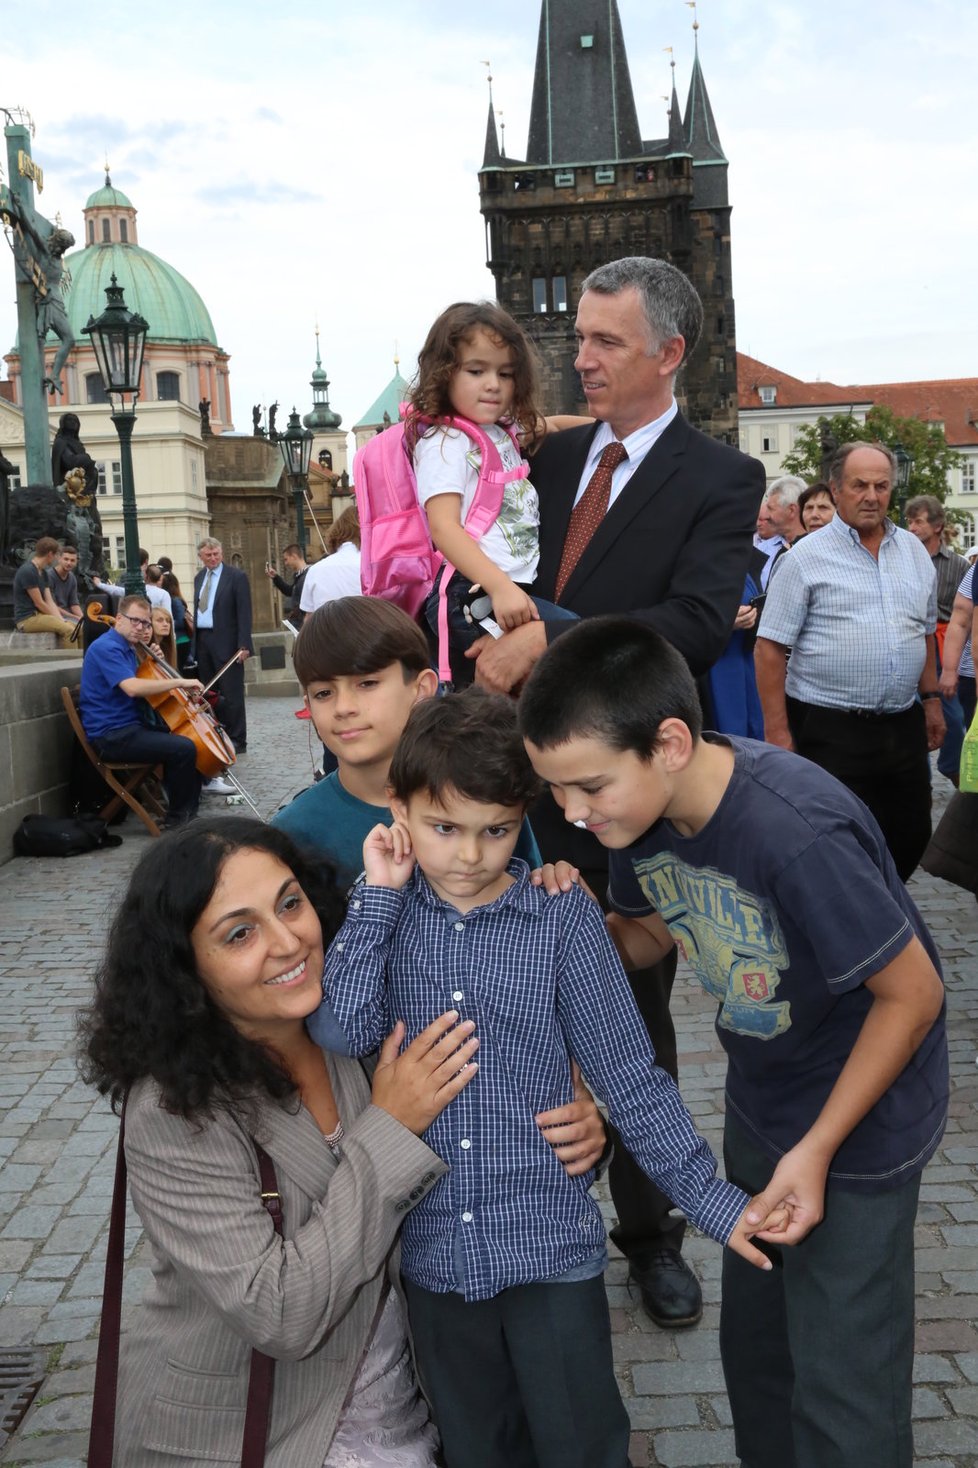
{"points": [[591, 190]]}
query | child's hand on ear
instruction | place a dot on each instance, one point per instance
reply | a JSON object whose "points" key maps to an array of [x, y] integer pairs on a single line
{"points": [[387, 856]]}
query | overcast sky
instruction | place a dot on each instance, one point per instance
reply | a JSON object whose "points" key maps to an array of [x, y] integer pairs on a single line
{"points": [[306, 161]]}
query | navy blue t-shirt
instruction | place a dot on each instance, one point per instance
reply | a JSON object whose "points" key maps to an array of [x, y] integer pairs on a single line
{"points": [[102, 703], [784, 904]]}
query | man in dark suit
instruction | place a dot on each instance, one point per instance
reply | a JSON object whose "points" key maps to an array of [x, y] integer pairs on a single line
{"points": [[664, 533], [222, 628]]}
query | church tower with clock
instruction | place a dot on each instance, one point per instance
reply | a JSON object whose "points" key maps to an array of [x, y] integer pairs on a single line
{"points": [[590, 190]]}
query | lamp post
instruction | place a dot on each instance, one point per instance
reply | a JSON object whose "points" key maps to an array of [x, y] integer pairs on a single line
{"points": [[296, 446], [119, 338], [905, 463]]}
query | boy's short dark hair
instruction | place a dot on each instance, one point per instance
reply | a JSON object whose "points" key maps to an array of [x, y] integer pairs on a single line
{"points": [[358, 634], [609, 678], [468, 743]]}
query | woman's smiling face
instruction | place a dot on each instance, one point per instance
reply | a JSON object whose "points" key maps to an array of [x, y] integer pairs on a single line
{"points": [[259, 946]]}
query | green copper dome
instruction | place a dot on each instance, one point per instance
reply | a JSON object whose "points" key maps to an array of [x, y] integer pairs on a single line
{"points": [[168, 301], [108, 197]]}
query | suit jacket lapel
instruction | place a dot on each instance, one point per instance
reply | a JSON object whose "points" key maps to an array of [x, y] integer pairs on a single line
{"points": [[661, 462], [295, 1142]]}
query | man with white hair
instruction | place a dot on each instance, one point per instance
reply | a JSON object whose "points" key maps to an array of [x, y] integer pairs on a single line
{"points": [[781, 502], [222, 630]]}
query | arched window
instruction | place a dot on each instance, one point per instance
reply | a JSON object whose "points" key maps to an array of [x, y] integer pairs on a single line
{"points": [[168, 387], [95, 388], [106, 232], [124, 231]]}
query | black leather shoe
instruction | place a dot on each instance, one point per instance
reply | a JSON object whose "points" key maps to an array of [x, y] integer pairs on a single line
{"points": [[670, 1291]]}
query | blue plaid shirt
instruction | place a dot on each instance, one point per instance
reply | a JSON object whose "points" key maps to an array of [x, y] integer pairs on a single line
{"points": [[541, 979], [856, 624]]}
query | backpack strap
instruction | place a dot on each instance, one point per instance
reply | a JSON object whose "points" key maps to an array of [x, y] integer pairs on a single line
{"points": [[483, 512]]}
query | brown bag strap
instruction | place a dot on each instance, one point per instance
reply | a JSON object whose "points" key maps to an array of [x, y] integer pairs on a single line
{"points": [[261, 1378], [262, 1374], [102, 1436]]}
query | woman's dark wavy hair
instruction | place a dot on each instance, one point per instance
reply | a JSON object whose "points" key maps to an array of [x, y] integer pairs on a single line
{"points": [[151, 1015], [439, 356]]}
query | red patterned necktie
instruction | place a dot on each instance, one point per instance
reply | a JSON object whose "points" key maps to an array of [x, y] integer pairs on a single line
{"points": [[588, 513]]}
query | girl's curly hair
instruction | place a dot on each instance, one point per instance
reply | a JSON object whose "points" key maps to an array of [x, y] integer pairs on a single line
{"points": [[438, 359], [151, 1015]]}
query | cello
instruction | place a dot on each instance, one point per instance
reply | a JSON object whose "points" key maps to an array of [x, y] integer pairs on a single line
{"points": [[181, 713]]}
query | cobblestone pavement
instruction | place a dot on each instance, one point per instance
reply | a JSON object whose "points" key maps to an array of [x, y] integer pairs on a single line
{"points": [[57, 1144]]}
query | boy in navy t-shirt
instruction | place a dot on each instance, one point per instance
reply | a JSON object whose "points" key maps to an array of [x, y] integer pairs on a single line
{"points": [[776, 884]]}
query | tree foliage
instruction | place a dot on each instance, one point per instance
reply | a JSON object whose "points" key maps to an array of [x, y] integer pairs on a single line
{"points": [[925, 442]]}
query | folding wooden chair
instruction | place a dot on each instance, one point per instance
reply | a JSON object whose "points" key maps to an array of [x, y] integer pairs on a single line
{"points": [[134, 776]]}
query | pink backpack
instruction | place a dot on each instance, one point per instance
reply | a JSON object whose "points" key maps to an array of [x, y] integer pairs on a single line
{"points": [[397, 559]]}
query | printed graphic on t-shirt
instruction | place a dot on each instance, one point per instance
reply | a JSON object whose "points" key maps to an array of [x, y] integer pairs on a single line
{"points": [[731, 939], [518, 521]]}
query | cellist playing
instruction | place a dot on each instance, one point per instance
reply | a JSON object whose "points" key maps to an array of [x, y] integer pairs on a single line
{"points": [[112, 720]]}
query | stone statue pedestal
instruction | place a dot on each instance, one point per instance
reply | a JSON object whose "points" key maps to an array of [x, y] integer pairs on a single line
{"points": [[7, 574]]}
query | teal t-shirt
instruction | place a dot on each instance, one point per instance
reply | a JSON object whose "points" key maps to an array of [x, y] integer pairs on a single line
{"points": [[330, 822]]}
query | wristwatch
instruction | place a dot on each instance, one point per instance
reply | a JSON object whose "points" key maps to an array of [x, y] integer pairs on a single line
{"points": [[925, 696]]}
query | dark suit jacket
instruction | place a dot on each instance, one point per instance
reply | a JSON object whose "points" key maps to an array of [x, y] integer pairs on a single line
{"points": [[232, 611], [672, 549]]}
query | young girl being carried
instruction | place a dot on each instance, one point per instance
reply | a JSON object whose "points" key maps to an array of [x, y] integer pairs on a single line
{"points": [[477, 363]]}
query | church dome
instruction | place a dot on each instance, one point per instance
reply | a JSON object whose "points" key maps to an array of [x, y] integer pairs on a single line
{"points": [[171, 306], [108, 197], [167, 300]]}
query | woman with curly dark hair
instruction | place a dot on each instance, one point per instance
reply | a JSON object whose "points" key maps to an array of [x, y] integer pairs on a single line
{"points": [[214, 963]]}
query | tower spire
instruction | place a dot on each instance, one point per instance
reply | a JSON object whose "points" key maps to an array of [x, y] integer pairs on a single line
{"points": [[491, 157], [702, 138], [583, 107]]}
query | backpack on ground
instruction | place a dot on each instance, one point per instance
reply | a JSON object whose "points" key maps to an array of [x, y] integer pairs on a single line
{"points": [[39, 835], [397, 559]]}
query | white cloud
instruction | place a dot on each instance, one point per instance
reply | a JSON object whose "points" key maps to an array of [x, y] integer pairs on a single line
{"points": [[318, 161]]}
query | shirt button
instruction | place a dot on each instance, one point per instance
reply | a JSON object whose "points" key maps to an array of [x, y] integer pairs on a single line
{"points": [[355, 903], [457, 995], [340, 947], [458, 926], [465, 1144], [466, 1217]]}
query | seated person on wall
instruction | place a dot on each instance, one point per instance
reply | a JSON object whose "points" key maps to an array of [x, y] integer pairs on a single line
{"points": [[111, 709], [64, 584], [35, 609]]}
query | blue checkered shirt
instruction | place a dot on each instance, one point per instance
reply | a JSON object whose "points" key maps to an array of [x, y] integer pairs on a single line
{"points": [[856, 625], [541, 979]]}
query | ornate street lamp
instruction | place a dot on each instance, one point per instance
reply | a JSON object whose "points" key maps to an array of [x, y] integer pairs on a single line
{"points": [[296, 446], [905, 463], [119, 339]]}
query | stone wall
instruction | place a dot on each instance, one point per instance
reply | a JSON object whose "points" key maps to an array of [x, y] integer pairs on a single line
{"points": [[35, 743]]}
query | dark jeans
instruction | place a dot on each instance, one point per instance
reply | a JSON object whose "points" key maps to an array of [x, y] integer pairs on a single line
{"points": [[462, 633], [523, 1380], [958, 713], [883, 759], [177, 755], [231, 687], [818, 1353]]}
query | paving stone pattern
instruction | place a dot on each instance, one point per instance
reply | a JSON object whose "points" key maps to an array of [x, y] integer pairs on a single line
{"points": [[57, 1145]]}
